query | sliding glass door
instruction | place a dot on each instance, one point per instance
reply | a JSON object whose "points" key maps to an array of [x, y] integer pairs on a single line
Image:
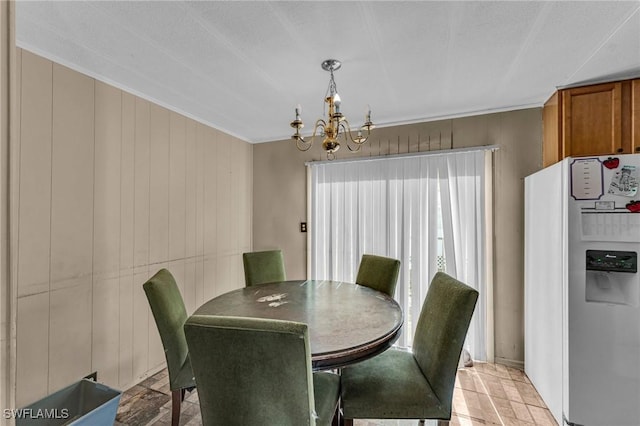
{"points": [[428, 210]]}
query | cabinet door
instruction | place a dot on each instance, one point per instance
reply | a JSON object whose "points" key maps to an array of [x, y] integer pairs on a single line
{"points": [[591, 118], [635, 116]]}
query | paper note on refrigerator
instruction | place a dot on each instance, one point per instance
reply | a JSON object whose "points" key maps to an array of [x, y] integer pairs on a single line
{"points": [[624, 182], [586, 179]]}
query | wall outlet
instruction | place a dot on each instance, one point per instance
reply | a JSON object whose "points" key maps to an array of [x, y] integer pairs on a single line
{"points": [[303, 226]]}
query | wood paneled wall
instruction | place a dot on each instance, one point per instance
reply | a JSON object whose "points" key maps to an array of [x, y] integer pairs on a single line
{"points": [[111, 189], [8, 121]]}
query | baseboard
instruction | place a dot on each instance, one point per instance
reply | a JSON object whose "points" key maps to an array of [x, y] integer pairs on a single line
{"points": [[143, 377], [510, 363]]}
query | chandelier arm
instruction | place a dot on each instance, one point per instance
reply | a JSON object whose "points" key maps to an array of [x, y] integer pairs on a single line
{"points": [[356, 149], [305, 145], [319, 123], [347, 130], [359, 140]]}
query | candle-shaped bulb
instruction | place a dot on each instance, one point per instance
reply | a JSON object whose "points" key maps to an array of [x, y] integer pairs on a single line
{"points": [[368, 114], [298, 111], [337, 102]]}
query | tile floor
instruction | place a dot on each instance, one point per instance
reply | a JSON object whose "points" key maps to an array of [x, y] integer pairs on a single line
{"points": [[485, 394]]}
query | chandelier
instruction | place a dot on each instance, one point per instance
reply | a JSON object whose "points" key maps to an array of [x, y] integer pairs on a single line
{"points": [[336, 125]]}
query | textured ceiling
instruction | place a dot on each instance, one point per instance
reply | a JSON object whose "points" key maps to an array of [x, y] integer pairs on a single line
{"points": [[243, 66]]}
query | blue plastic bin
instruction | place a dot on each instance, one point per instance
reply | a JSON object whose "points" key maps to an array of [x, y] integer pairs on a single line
{"points": [[83, 403]]}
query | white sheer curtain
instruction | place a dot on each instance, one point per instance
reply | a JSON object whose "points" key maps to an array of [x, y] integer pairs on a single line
{"points": [[464, 205], [389, 206]]}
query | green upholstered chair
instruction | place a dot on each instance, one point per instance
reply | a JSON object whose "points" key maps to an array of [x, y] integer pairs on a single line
{"points": [[400, 384], [379, 273], [262, 267], [254, 371], [170, 315]]}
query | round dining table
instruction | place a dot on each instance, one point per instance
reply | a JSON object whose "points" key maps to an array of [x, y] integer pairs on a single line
{"points": [[347, 322]]}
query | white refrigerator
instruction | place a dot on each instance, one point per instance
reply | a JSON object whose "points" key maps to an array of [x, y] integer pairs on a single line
{"points": [[582, 289]]}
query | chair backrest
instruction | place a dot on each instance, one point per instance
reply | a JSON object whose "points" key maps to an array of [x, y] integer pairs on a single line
{"points": [[379, 273], [170, 314], [251, 371], [262, 267], [441, 331]]}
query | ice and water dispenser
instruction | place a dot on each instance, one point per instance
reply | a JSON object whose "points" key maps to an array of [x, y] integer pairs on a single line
{"points": [[612, 277], [609, 238]]}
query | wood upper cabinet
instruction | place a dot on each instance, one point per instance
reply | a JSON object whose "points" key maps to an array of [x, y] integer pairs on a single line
{"points": [[591, 120], [601, 119], [635, 116], [552, 131]]}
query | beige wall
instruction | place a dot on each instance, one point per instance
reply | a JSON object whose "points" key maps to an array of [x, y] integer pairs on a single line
{"points": [[280, 199], [111, 189]]}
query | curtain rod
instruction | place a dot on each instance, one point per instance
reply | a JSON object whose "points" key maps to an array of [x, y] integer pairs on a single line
{"points": [[409, 154]]}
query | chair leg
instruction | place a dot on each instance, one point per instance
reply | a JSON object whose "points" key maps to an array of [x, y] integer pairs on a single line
{"points": [[337, 416], [443, 422], [347, 422], [335, 421], [176, 399]]}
